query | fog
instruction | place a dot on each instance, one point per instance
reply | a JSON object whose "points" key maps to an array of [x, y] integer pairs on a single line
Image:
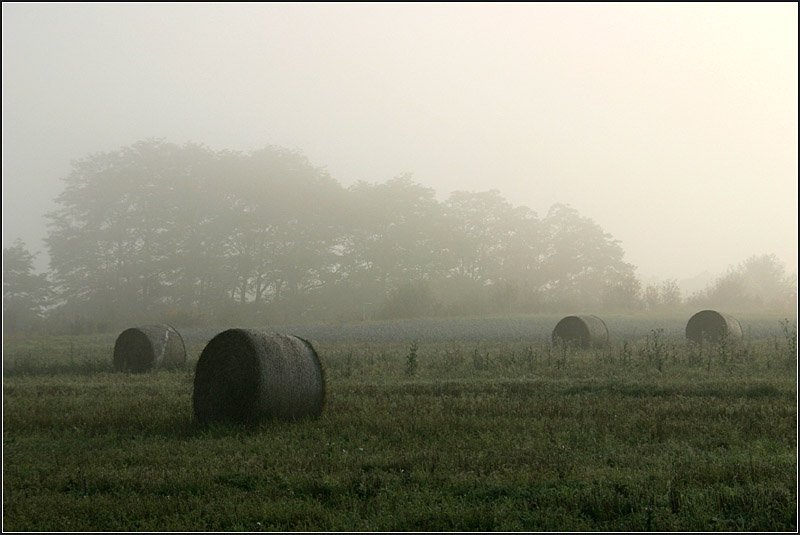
{"points": [[673, 127]]}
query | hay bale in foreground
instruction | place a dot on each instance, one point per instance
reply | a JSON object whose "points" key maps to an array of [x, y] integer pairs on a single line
{"points": [[244, 376], [140, 349], [712, 326], [583, 331]]}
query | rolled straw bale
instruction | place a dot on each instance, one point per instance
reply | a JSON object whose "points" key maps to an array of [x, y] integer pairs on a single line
{"points": [[140, 349], [583, 331], [244, 376], [712, 326]]}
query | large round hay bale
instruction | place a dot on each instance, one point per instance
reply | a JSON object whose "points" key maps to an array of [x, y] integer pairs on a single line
{"points": [[144, 348], [583, 331], [712, 326], [244, 376]]}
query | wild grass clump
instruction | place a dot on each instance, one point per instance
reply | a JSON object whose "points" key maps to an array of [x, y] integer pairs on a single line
{"points": [[411, 360]]}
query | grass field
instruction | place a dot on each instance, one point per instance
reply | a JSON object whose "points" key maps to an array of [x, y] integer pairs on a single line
{"points": [[445, 425]]}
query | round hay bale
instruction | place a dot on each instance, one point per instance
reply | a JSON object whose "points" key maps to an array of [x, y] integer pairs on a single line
{"points": [[244, 376], [140, 349], [712, 326], [582, 331]]}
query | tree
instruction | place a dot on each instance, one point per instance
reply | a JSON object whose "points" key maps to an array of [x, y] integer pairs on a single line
{"points": [[664, 296], [479, 229], [122, 220], [392, 235], [187, 233], [583, 265], [492, 252], [25, 293], [157, 228], [758, 283], [282, 220]]}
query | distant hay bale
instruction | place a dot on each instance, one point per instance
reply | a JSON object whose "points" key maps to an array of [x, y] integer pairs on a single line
{"points": [[244, 376], [712, 326], [140, 349], [583, 331]]}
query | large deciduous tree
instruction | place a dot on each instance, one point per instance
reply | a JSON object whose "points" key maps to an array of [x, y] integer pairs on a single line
{"points": [[583, 265], [123, 219]]}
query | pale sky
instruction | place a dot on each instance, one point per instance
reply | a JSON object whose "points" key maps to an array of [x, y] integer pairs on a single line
{"points": [[673, 126]]}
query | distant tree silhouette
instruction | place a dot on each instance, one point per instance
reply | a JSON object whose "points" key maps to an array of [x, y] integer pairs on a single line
{"points": [[184, 233], [758, 283], [25, 293]]}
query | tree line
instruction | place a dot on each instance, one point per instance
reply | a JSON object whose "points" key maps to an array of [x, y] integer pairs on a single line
{"points": [[191, 235]]}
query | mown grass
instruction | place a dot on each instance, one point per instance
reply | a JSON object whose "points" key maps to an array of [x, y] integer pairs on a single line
{"points": [[508, 436]]}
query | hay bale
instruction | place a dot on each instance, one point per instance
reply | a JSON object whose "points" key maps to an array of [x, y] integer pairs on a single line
{"points": [[140, 349], [712, 326], [582, 331], [244, 376]]}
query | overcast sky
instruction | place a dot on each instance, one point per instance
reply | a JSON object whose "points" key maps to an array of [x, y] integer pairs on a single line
{"points": [[674, 127]]}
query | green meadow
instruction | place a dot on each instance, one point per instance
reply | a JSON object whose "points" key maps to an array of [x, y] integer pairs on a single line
{"points": [[435, 425]]}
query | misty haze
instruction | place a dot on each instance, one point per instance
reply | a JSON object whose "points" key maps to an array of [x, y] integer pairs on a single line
{"points": [[399, 267]]}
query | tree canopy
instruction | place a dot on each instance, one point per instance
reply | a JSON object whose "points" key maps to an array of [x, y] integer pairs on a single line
{"points": [[760, 282], [187, 234], [25, 294]]}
